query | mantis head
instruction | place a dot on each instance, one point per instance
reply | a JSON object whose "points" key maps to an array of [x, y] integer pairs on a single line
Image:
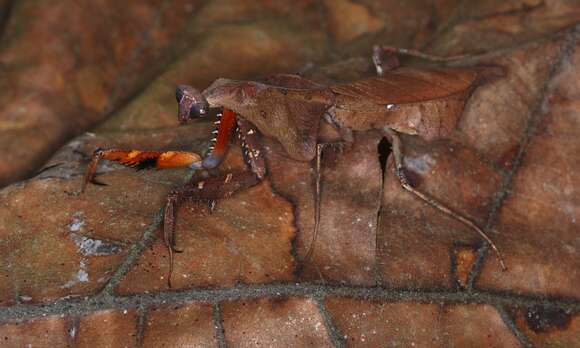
{"points": [[191, 103]]}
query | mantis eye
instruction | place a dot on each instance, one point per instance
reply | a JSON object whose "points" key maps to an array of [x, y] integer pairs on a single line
{"points": [[191, 103]]}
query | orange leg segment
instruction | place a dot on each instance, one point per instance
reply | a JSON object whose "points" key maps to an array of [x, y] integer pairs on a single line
{"points": [[139, 160], [226, 124]]}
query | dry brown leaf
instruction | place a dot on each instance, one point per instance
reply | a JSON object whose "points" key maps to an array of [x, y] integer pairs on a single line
{"points": [[385, 268]]}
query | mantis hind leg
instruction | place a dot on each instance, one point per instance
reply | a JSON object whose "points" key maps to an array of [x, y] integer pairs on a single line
{"points": [[397, 147], [385, 57]]}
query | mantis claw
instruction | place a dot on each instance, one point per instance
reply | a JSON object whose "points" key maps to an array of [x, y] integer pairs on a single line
{"points": [[212, 206], [179, 251]]}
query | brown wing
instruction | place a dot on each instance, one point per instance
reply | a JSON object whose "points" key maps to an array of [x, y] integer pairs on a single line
{"points": [[406, 85], [427, 103]]}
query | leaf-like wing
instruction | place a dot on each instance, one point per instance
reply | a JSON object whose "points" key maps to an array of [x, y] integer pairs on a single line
{"points": [[427, 103], [406, 85]]}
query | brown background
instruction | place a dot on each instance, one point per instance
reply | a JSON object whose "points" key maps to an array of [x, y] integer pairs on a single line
{"points": [[388, 270]]}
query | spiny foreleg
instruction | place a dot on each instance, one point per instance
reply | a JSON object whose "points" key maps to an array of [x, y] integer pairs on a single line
{"points": [[253, 154], [138, 160], [200, 191], [226, 124]]}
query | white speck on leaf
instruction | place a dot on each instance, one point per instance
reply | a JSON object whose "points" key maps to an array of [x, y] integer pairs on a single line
{"points": [[80, 277], [94, 247], [420, 164], [77, 222]]}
